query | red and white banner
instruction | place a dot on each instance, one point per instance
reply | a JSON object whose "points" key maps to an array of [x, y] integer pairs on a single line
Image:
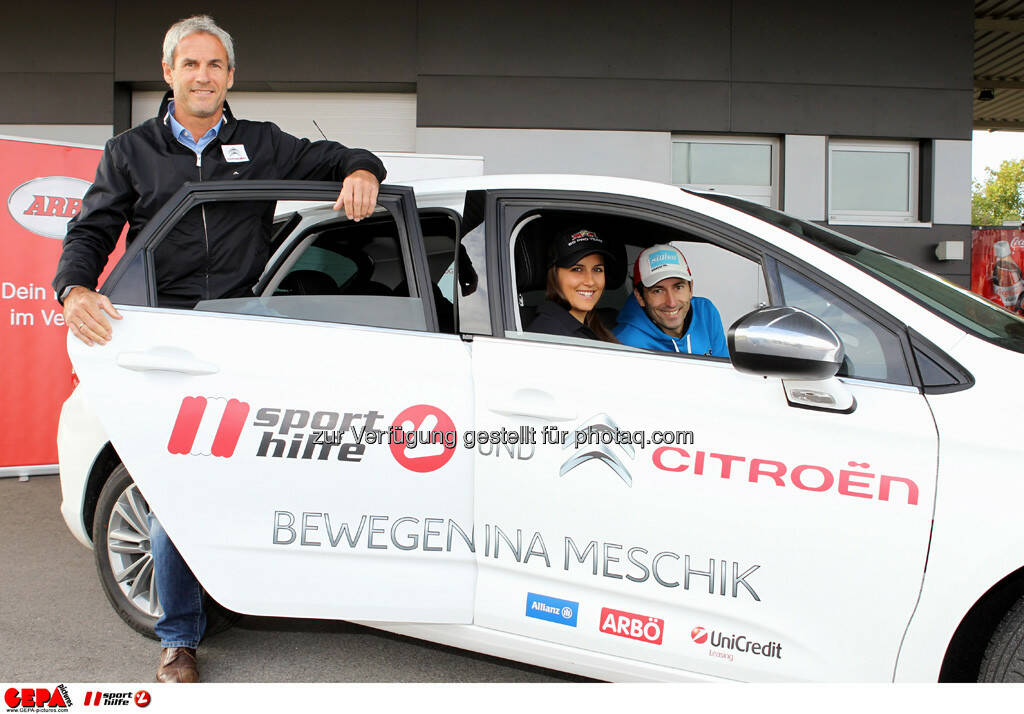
{"points": [[43, 184]]}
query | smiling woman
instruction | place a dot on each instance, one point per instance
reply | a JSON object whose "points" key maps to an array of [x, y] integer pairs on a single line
{"points": [[575, 282]]}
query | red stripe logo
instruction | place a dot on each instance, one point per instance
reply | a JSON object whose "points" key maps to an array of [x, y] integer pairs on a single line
{"points": [[208, 426]]}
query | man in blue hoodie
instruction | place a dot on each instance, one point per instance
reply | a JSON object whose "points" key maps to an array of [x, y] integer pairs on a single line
{"points": [[662, 314]]}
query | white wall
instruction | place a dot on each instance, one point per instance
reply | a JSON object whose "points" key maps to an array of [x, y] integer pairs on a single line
{"points": [[380, 122], [952, 197], [87, 134], [804, 180], [628, 154]]}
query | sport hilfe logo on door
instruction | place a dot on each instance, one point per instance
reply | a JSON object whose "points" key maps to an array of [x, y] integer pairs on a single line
{"points": [[208, 426], [432, 449], [633, 626]]}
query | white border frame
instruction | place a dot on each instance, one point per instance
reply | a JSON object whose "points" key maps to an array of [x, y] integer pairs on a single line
{"points": [[748, 191], [877, 217]]}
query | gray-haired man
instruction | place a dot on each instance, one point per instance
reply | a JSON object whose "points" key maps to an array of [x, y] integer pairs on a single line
{"points": [[193, 138]]}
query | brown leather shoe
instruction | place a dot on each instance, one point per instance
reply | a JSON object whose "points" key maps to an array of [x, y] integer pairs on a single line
{"points": [[178, 664]]}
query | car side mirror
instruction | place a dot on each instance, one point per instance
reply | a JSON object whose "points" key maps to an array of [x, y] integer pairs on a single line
{"points": [[785, 342]]}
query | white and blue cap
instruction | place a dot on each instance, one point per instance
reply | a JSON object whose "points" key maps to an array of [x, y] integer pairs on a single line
{"points": [[658, 262]]}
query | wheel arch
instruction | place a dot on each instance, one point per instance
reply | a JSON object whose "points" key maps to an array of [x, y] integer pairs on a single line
{"points": [[962, 661], [105, 462]]}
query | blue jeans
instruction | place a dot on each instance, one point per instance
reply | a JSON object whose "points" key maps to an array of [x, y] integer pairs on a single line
{"points": [[184, 620]]}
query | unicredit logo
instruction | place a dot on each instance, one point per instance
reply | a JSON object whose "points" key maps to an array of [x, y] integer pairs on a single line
{"points": [[208, 426], [722, 642]]}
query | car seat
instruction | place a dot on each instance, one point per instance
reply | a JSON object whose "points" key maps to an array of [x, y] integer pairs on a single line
{"points": [[307, 282]]}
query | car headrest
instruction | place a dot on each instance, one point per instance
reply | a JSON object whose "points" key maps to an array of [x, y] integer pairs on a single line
{"points": [[531, 257], [308, 282]]}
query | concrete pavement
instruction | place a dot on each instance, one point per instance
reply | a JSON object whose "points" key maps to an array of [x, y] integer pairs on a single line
{"points": [[56, 624]]}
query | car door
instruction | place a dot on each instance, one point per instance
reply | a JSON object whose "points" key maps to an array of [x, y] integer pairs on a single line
{"points": [[298, 446], [726, 529]]}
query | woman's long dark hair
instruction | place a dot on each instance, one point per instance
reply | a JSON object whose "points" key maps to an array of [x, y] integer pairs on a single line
{"points": [[592, 320]]}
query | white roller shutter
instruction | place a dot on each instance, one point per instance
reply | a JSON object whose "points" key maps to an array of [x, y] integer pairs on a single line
{"points": [[380, 122]]}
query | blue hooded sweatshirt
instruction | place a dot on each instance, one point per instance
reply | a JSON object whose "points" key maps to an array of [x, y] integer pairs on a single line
{"points": [[705, 335]]}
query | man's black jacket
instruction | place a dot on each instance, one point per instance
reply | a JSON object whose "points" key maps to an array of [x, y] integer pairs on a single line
{"points": [[218, 250]]}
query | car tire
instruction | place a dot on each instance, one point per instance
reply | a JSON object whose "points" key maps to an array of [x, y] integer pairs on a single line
{"points": [[1004, 656], [120, 536]]}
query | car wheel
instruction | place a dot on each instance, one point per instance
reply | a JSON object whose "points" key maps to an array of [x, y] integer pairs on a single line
{"points": [[120, 536], [1004, 656]]}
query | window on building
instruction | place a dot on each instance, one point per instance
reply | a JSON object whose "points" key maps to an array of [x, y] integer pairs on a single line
{"points": [[741, 166], [873, 181]]}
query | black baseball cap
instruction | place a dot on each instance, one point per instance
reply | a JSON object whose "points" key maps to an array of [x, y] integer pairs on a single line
{"points": [[571, 245]]}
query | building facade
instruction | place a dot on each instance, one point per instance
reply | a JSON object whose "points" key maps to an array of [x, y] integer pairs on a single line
{"points": [[854, 115]]}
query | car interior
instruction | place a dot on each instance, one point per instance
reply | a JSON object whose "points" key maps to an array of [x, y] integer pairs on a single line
{"points": [[339, 257], [735, 284], [336, 257]]}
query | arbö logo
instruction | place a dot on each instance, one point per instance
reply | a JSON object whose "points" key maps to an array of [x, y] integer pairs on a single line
{"points": [[431, 451], [208, 426], [635, 627], [699, 635], [45, 205]]}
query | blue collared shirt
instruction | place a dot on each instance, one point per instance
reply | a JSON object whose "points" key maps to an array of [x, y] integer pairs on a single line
{"points": [[184, 136]]}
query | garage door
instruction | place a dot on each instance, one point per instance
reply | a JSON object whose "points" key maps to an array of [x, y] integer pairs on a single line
{"points": [[381, 122]]}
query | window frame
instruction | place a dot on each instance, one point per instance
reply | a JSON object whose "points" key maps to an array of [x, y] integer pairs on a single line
{"points": [[879, 327], [510, 207], [877, 217], [132, 282], [500, 264], [747, 191]]}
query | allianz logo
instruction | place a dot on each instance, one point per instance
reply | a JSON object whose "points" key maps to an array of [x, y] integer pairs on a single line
{"points": [[563, 612]]}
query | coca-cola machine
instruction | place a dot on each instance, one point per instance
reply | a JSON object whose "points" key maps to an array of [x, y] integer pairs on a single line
{"points": [[997, 255]]}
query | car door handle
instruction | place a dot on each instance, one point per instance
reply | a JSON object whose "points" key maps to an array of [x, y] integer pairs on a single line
{"points": [[165, 361], [533, 403]]}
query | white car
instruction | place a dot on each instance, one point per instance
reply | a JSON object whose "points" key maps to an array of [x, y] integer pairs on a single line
{"points": [[614, 512]]}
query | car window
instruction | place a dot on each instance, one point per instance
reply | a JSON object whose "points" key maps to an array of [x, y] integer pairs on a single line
{"points": [[962, 307], [734, 284], [340, 268], [872, 351], [329, 269]]}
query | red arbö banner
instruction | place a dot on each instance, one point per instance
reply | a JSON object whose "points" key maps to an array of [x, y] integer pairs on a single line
{"points": [[997, 257], [43, 183]]}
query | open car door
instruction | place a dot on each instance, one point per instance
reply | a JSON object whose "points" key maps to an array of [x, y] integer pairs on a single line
{"points": [[273, 435]]}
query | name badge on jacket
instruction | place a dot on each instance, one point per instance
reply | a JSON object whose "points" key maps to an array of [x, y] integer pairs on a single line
{"points": [[234, 153]]}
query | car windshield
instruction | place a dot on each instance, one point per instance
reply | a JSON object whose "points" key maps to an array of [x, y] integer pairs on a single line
{"points": [[968, 310]]}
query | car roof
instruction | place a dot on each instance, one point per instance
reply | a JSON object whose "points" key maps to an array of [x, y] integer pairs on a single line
{"points": [[560, 182]]}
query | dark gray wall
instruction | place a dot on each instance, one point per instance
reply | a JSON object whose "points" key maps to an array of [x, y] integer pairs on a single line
{"points": [[283, 45], [918, 246], [868, 68], [56, 63]]}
